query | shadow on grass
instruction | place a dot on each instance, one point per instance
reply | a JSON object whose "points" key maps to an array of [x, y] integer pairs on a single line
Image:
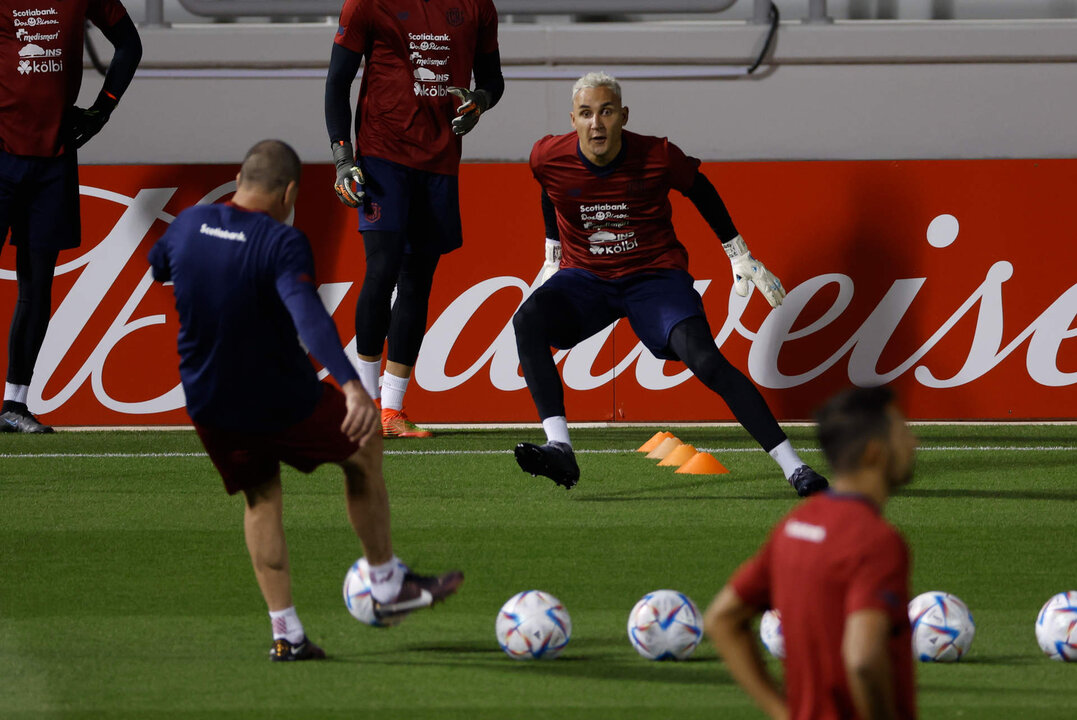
{"points": [[963, 493], [594, 659]]}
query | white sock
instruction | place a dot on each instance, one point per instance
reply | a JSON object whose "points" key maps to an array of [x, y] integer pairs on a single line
{"points": [[392, 391], [386, 579], [556, 429], [787, 457], [16, 393], [368, 376], [286, 625]]}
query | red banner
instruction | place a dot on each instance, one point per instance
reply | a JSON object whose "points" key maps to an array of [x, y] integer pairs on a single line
{"points": [[955, 281]]}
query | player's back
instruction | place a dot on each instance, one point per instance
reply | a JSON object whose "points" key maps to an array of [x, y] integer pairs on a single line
{"points": [[831, 556], [240, 360]]}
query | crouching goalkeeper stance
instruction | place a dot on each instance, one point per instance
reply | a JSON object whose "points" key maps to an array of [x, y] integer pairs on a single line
{"points": [[612, 253]]}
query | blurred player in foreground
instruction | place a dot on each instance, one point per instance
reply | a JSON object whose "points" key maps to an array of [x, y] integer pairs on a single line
{"points": [[403, 172], [40, 132], [839, 575], [244, 282], [605, 203]]}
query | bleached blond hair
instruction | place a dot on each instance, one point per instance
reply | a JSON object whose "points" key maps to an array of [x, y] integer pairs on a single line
{"points": [[597, 80]]}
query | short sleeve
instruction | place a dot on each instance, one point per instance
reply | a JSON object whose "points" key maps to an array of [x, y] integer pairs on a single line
{"points": [[486, 41], [293, 263], [105, 13], [355, 21], [751, 581], [880, 580], [538, 158], [682, 168]]}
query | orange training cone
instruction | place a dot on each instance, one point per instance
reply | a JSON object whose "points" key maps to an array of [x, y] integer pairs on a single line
{"points": [[703, 464], [679, 456], [665, 448], [654, 442]]}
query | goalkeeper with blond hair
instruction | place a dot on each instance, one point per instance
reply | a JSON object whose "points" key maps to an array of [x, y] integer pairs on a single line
{"points": [[611, 252]]}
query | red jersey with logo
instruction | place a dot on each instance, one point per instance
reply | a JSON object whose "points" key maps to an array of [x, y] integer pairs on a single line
{"points": [[414, 50], [616, 219], [41, 68], [831, 556]]}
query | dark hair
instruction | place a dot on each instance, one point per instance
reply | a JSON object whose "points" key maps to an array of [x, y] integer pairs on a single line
{"points": [[271, 165], [849, 421]]}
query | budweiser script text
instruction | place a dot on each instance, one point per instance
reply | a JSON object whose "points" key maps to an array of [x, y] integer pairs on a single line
{"points": [[100, 265]]}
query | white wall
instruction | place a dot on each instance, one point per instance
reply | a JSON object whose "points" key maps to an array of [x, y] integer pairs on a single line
{"points": [[851, 90]]}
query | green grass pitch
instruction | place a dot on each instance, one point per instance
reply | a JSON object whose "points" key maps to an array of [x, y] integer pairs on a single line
{"points": [[126, 590]]}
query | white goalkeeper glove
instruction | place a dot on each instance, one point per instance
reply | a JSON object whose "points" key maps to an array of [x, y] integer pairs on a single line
{"points": [[553, 259], [746, 268], [350, 180]]}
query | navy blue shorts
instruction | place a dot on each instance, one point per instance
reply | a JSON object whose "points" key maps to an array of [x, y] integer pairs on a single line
{"points": [[39, 201], [654, 302], [424, 206], [248, 460]]}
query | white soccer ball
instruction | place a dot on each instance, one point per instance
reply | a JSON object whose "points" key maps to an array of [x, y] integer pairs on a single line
{"points": [[942, 627], [533, 625], [358, 599], [770, 632], [1056, 627], [665, 625]]}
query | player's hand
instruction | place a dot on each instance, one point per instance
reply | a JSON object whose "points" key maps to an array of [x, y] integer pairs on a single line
{"points": [[473, 104], [82, 124], [747, 269], [350, 180], [553, 259], [362, 420]]}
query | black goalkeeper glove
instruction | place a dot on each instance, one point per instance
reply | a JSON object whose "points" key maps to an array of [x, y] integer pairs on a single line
{"points": [[475, 103], [83, 124], [350, 180]]}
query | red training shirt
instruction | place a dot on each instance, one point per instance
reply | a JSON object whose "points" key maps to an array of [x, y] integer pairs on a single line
{"points": [[41, 61], [414, 51], [831, 556], [615, 220]]}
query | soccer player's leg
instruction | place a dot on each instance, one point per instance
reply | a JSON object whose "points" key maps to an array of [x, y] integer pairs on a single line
{"points": [[563, 311], [692, 342], [406, 330], [248, 464], [39, 201], [395, 588], [383, 222], [668, 316]]}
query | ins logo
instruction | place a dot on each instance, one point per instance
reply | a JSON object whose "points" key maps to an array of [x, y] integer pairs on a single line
{"points": [[373, 212], [455, 16]]}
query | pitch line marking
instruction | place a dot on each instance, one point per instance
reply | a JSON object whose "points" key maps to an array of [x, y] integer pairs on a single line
{"points": [[401, 453]]}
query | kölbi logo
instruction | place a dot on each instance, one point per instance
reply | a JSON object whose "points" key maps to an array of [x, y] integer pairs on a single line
{"points": [[40, 66]]}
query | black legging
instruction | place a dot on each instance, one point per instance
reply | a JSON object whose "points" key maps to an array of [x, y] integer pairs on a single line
{"points": [[34, 270], [546, 319], [404, 322]]}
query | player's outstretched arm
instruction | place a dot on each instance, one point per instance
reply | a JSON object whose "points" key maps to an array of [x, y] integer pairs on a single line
{"points": [[867, 664], [745, 267], [726, 623], [83, 123]]}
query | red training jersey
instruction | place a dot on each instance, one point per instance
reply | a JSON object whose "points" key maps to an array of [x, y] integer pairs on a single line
{"points": [[41, 57], [616, 219], [414, 50], [831, 556]]}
